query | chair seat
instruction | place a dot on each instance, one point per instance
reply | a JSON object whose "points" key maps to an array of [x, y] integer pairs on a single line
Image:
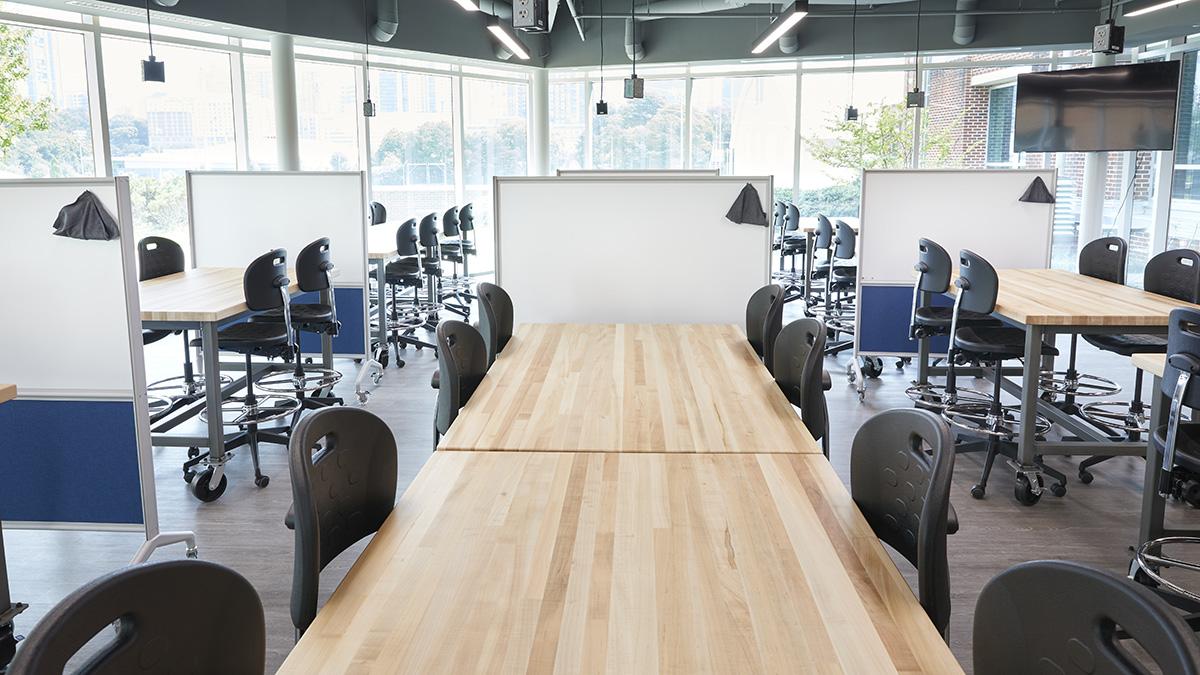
{"points": [[942, 317], [845, 272], [302, 312], [1128, 345], [264, 337], [149, 337], [405, 272], [1187, 444], [995, 343]]}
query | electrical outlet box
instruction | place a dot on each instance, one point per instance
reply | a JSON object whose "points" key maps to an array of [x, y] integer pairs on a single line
{"points": [[531, 16], [635, 87], [1108, 38]]}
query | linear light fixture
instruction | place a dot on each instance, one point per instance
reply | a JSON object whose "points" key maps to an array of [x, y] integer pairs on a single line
{"points": [[1154, 8], [506, 38], [468, 5], [791, 16]]}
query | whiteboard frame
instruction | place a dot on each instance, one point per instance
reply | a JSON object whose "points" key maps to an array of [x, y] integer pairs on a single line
{"points": [[864, 231], [625, 178], [344, 282], [638, 172]]}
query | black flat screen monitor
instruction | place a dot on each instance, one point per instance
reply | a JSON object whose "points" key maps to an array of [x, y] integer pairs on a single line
{"points": [[1095, 109]]}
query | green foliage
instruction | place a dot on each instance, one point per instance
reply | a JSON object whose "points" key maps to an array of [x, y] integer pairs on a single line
{"points": [[128, 135], [18, 114], [159, 205], [882, 138], [62, 149], [496, 151], [639, 134], [835, 201], [422, 156]]}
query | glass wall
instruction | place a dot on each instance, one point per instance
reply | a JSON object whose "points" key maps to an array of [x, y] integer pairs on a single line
{"points": [[1184, 228], [744, 126], [495, 143], [46, 130], [569, 114], [645, 133]]}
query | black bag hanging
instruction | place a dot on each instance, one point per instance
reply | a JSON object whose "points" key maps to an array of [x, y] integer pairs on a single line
{"points": [[86, 218], [747, 208]]}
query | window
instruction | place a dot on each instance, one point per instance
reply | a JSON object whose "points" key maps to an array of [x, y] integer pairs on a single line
{"points": [[642, 133], [495, 143], [260, 112], [1184, 228], [746, 126], [1001, 106], [47, 130], [412, 144], [161, 130], [568, 125]]}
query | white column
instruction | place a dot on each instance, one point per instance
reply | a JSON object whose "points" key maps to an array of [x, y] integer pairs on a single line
{"points": [[283, 79], [539, 123], [1095, 168]]}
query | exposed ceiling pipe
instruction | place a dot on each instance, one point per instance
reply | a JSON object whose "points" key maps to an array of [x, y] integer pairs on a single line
{"points": [[634, 47], [964, 24], [789, 44], [387, 21], [166, 3]]}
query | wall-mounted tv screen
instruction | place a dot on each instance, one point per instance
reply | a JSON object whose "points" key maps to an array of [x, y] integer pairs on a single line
{"points": [[1094, 109]]}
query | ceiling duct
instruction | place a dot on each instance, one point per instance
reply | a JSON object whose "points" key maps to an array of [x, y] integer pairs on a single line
{"points": [[166, 3], [387, 20], [964, 24], [635, 49]]}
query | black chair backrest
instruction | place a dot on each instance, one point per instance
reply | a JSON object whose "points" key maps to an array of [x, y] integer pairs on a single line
{"points": [[1183, 348], [466, 218], [158, 257], [378, 214], [406, 239], [1104, 258], [845, 239], [764, 320], [462, 363], [1175, 274], [934, 267], [799, 372], [313, 265], [780, 217], [823, 237], [450, 223], [160, 609], [904, 494], [1053, 616], [496, 319], [977, 282], [339, 495], [265, 281], [428, 232], [792, 222]]}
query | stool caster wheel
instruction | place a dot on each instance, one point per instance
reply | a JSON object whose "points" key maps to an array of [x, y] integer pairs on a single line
{"points": [[1086, 476], [261, 481], [206, 492], [1023, 491], [1058, 489], [977, 491], [193, 452], [192, 553]]}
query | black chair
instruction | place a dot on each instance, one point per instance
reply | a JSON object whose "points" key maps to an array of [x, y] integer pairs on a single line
{"points": [[790, 244], [160, 610], [265, 285], [934, 269], [822, 244], [799, 373], [431, 268], [1100, 259], [1052, 616], [378, 213], [313, 267], [764, 320], [456, 289], [340, 494], [1175, 274], [901, 467], [405, 316], [496, 319], [466, 227], [998, 424], [159, 257], [462, 363]]}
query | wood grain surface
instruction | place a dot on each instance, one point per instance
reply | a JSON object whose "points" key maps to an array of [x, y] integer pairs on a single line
{"points": [[629, 388], [623, 563], [199, 294], [1154, 364], [1061, 298], [7, 392]]}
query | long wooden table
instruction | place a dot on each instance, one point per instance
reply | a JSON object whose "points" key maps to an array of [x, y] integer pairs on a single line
{"points": [[7, 392], [629, 388], [623, 563], [8, 609], [1045, 302]]}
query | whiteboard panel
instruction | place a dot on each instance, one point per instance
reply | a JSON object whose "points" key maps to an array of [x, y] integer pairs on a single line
{"points": [[238, 216], [70, 331], [639, 172], [604, 249], [976, 210]]}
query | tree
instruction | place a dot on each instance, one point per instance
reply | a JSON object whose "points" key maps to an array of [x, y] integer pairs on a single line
{"points": [[882, 138], [428, 150], [18, 114], [128, 135]]}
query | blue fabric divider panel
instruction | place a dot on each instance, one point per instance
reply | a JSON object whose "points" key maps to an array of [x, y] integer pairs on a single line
{"points": [[884, 314], [350, 312], [69, 462]]}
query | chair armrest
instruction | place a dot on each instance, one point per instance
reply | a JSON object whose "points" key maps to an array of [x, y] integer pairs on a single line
{"points": [[951, 520], [826, 382], [289, 521]]}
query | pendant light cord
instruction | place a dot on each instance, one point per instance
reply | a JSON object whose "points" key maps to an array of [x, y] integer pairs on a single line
{"points": [[633, 25], [366, 52], [853, 48], [917, 59], [149, 33], [601, 50]]}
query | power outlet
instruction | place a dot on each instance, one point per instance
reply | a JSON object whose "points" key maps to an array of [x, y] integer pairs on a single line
{"points": [[531, 16]]}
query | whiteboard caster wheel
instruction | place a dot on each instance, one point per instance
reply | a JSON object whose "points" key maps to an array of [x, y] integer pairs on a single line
{"points": [[192, 552], [376, 378], [862, 396], [201, 488], [363, 397]]}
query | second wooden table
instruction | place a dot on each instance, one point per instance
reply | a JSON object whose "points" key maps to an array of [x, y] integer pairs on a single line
{"points": [[629, 388]]}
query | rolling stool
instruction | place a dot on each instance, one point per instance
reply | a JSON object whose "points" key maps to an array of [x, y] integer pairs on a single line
{"points": [[841, 284], [789, 246], [313, 265], [265, 285], [404, 318], [466, 225], [455, 287], [431, 269], [1175, 274], [1178, 443], [978, 285], [158, 257], [1101, 259], [934, 269], [822, 242]]}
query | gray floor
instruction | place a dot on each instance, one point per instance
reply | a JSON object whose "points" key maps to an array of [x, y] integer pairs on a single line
{"points": [[244, 529]]}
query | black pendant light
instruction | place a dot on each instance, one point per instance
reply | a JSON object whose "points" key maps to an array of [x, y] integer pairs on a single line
{"points": [[916, 97], [851, 111], [368, 104], [635, 87], [153, 70], [601, 105]]}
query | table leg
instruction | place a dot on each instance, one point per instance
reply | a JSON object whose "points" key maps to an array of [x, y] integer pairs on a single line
{"points": [[381, 306], [212, 397], [809, 240], [1153, 504], [1027, 438]]}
